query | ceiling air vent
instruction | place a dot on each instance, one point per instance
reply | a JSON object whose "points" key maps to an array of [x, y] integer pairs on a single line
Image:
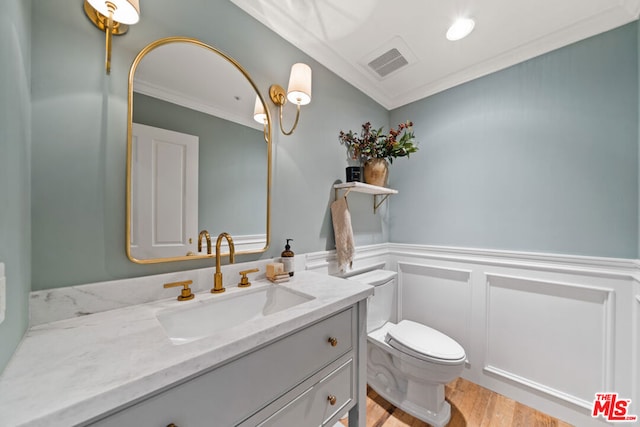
{"points": [[388, 62]]}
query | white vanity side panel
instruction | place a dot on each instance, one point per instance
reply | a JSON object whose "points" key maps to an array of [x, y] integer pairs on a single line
{"points": [[438, 297], [358, 415], [552, 336]]}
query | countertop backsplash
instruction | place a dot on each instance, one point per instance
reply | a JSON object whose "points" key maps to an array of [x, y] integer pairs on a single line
{"points": [[51, 305]]}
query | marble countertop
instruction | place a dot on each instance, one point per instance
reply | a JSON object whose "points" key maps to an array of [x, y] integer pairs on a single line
{"points": [[70, 371]]}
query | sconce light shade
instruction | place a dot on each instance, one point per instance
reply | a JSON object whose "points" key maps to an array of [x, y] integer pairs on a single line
{"points": [[258, 112], [124, 11], [299, 91], [260, 116]]}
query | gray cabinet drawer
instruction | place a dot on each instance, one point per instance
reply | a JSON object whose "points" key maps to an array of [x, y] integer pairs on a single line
{"points": [[232, 392], [313, 407]]}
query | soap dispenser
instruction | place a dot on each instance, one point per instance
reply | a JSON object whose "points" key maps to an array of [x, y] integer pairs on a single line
{"points": [[287, 258]]}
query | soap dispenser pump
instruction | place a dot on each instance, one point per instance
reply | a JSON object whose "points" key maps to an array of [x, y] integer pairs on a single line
{"points": [[287, 258]]}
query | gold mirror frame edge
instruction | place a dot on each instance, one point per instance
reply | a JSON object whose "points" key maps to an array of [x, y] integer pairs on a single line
{"points": [[151, 46]]}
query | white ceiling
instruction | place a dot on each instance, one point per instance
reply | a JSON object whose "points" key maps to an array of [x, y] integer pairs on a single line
{"points": [[345, 35], [198, 78]]}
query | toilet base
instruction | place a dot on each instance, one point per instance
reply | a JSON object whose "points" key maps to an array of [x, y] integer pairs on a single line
{"points": [[438, 418], [405, 386]]}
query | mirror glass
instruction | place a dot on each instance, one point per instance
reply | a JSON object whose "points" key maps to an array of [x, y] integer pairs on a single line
{"points": [[196, 160]]}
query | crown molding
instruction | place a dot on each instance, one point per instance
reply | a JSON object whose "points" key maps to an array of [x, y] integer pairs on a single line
{"points": [[615, 17], [174, 97], [621, 12]]}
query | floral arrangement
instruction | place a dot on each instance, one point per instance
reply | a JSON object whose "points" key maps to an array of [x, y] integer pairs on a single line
{"points": [[372, 143]]}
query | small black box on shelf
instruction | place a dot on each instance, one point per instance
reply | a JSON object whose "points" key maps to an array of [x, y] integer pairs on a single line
{"points": [[354, 174]]}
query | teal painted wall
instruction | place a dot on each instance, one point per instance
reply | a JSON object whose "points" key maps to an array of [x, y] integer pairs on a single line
{"points": [[542, 156], [231, 196], [539, 157], [15, 143], [79, 138]]}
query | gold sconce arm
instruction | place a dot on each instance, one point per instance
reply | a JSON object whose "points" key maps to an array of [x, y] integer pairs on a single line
{"points": [[108, 32], [277, 95], [113, 17], [299, 92]]}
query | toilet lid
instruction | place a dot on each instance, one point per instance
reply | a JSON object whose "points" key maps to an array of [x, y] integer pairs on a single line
{"points": [[423, 342]]}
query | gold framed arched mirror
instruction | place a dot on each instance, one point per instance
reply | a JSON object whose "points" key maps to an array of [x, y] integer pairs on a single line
{"points": [[196, 158]]}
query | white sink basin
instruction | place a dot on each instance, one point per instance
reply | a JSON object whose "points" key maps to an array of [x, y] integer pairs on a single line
{"points": [[186, 324]]}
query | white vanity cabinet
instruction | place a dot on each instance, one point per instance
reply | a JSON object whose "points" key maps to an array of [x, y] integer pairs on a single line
{"points": [[307, 378]]}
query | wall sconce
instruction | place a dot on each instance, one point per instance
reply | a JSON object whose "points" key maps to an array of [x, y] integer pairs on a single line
{"points": [[112, 17], [258, 112], [299, 92], [260, 116]]}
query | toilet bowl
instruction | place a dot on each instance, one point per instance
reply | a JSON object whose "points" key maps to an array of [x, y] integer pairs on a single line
{"points": [[408, 363]]}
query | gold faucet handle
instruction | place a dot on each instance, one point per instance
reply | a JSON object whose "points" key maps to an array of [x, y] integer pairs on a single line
{"points": [[186, 292], [244, 281]]}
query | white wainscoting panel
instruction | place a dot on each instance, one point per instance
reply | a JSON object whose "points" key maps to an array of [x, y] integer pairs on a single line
{"points": [[546, 330], [554, 337], [437, 297], [365, 258]]}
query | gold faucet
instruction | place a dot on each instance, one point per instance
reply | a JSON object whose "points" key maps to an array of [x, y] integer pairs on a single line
{"points": [[204, 233], [217, 278]]}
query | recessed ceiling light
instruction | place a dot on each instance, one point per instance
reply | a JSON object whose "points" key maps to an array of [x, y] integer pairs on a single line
{"points": [[460, 29]]}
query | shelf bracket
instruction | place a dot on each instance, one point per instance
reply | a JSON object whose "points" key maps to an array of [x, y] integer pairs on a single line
{"points": [[380, 194], [377, 204], [337, 190]]}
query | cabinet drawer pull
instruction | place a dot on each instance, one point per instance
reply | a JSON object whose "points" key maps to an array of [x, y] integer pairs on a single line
{"points": [[332, 399], [333, 341]]}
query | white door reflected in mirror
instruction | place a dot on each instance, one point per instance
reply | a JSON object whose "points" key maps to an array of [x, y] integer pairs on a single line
{"points": [[164, 187]]}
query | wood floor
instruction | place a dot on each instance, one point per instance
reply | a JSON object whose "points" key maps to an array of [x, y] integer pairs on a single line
{"points": [[471, 406]]}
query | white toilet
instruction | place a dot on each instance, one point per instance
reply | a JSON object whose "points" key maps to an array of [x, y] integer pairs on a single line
{"points": [[408, 363]]}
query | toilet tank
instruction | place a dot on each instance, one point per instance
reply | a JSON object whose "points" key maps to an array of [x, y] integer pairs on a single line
{"points": [[382, 306]]}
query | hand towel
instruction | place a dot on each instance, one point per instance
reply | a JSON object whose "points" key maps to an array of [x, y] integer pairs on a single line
{"points": [[343, 233]]}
